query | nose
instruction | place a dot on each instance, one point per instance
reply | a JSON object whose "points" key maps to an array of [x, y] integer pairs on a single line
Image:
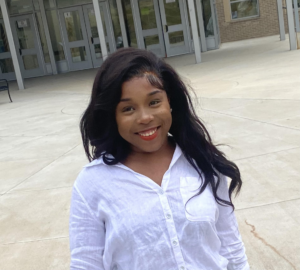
{"points": [[145, 116]]}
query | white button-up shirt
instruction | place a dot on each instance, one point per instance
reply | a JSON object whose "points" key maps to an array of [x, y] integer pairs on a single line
{"points": [[122, 220]]}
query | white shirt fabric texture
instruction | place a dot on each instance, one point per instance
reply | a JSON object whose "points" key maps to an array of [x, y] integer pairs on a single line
{"points": [[122, 220]]}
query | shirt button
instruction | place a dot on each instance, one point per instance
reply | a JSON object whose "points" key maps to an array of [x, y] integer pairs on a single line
{"points": [[182, 268], [175, 243], [161, 192], [168, 216]]}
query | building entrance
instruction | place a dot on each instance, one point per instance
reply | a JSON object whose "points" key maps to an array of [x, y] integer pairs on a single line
{"points": [[81, 37], [162, 24]]}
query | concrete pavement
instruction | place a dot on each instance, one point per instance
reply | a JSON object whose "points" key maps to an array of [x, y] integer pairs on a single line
{"points": [[248, 94]]}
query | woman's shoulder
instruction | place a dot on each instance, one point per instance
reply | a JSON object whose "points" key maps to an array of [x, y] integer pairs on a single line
{"points": [[94, 174]]}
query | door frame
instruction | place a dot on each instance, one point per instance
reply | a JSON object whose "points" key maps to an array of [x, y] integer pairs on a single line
{"points": [[40, 71], [109, 30], [150, 32], [73, 66], [185, 28]]}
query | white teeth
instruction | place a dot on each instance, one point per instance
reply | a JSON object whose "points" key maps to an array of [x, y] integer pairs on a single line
{"points": [[149, 133]]}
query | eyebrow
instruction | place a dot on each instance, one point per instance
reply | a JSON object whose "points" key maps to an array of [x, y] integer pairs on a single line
{"points": [[150, 94]]}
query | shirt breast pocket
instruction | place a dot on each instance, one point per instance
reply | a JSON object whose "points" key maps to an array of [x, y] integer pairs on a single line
{"points": [[200, 207]]}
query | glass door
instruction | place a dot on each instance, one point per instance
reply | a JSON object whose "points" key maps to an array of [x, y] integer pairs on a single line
{"points": [[29, 56], [174, 26], [149, 26], [75, 38], [210, 24], [6, 64], [92, 31], [216, 23]]}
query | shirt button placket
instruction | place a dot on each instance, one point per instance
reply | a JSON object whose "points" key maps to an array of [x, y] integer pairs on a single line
{"points": [[171, 229]]}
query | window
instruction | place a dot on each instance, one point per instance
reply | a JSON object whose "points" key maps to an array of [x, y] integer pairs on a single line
{"points": [[244, 9], [19, 6]]}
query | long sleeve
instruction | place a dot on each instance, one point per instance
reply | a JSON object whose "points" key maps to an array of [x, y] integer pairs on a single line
{"points": [[232, 247], [87, 236]]}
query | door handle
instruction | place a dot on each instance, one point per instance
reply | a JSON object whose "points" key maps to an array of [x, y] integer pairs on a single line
{"points": [[166, 28], [20, 51], [92, 40]]}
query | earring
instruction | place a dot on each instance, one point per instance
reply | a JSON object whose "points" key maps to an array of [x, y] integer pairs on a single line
{"points": [[171, 110]]}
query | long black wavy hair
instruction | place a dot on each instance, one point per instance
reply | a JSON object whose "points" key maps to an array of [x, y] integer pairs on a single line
{"points": [[99, 129]]}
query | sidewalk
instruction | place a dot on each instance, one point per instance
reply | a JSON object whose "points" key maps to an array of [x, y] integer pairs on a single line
{"points": [[248, 96]]}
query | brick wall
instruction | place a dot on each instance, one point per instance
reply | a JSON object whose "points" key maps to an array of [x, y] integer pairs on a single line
{"points": [[264, 25]]}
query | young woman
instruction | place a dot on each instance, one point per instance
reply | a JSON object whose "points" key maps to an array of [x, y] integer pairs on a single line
{"points": [[154, 196]]}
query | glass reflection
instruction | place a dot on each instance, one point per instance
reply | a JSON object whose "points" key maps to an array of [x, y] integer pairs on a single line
{"points": [[129, 25], [172, 10], [242, 9], [151, 40], [93, 23], [98, 51], [25, 34], [207, 18], [4, 46], [147, 14], [54, 30], [78, 54], [116, 23], [176, 38], [42, 37], [30, 61], [6, 65], [73, 25]]}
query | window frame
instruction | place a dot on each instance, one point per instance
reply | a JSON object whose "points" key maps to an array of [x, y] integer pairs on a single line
{"points": [[244, 18]]}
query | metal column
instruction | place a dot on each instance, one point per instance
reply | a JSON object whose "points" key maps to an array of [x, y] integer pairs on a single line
{"points": [[195, 31], [201, 26], [296, 15], [47, 34], [122, 23], [11, 43], [280, 19], [136, 13], [290, 16], [100, 29]]}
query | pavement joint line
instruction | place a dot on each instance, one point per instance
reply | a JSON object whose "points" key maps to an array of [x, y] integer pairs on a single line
{"points": [[222, 110], [267, 204], [253, 120], [270, 153], [41, 189], [8, 191], [32, 241]]}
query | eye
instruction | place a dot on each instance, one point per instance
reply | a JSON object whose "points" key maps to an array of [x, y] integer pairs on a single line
{"points": [[154, 102], [128, 109]]}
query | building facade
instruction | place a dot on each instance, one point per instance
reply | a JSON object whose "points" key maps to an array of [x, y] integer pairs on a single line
{"points": [[68, 31], [240, 19], [57, 36]]}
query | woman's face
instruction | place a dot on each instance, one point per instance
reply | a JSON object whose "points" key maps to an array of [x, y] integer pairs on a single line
{"points": [[143, 115]]}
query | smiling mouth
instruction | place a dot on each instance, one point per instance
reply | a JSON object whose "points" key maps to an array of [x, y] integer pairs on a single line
{"points": [[149, 134]]}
